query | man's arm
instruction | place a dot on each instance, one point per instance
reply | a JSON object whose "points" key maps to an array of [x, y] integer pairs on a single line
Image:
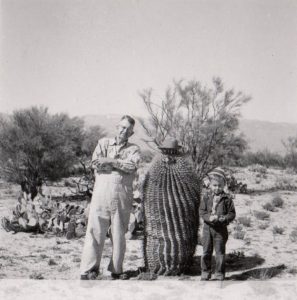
{"points": [[99, 153], [130, 164]]}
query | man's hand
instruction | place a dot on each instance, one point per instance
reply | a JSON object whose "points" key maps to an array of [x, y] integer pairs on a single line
{"points": [[106, 161], [104, 164], [213, 218]]}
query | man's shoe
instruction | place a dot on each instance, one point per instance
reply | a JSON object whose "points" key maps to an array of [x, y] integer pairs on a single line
{"points": [[89, 276], [121, 276], [219, 277], [205, 277]]}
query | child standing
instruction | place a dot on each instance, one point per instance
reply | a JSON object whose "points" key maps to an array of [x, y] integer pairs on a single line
{"points": [[217, 210]]}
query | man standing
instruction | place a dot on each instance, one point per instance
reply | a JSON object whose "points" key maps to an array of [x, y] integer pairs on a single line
{"points": [[115, 162]]}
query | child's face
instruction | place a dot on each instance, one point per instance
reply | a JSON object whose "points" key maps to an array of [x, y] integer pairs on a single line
{"points": [[217, 185]]}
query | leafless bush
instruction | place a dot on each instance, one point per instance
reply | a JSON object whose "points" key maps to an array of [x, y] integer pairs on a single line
{"points": [[203, 119]]}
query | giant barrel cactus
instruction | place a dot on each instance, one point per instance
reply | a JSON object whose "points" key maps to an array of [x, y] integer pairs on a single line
{"points": [[171, 220]]}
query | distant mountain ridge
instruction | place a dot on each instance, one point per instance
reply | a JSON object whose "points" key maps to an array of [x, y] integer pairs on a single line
{"points": [[259, 134], [267, 135]]}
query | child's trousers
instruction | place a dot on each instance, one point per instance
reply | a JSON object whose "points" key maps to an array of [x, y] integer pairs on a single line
{"points": [[213, 238]]}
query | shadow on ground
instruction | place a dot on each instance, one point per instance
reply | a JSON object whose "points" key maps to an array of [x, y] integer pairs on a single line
{"points": [[233, 263], [259, 273]]}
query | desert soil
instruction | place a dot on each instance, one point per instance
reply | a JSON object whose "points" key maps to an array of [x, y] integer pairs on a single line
{"points": [[259, 254]]}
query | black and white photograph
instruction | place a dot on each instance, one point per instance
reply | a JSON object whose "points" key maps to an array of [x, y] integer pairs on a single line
{"points": [[148, 149]]}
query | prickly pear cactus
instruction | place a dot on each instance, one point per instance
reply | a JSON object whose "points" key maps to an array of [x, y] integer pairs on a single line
{"points": [[171, 219]]}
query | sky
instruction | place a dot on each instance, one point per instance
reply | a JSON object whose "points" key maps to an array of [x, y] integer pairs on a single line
{"points": [[94, 57]]}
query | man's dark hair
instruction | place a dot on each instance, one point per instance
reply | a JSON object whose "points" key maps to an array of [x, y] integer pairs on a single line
{"points": [[129, 119]]}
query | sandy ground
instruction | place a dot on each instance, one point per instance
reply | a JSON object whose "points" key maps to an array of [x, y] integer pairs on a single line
{"points": [[260, 254]]}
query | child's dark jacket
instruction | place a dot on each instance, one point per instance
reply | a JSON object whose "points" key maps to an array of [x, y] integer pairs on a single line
{"points": [[225, 207]]}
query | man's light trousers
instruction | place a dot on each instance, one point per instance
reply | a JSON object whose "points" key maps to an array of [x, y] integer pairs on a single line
{"points": [[111, 205]]}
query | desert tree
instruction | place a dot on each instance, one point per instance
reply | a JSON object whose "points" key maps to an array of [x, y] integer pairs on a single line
{"points": [[204, 120], [291, 152], [36, 146], [85, 181]]}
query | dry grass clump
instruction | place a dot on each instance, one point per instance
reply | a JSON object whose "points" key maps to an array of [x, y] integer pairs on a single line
{"points": [[36, 275], [64, 268], [293, 235], [277, 201], [238, 232], [292, 271], [277, 230], [245, 221], [239, 235], [263, 226], [261, 215], [52, 262], [269, 206]]}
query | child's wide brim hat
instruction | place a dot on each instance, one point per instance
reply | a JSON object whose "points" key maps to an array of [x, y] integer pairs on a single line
{"points": [[170, 143], [218, 172]]}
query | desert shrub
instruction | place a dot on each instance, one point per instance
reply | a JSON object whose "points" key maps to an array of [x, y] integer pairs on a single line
{"points": [[284, 183], [76, 259], [69, 183], [290, 171], [277, 201], [239, 235], [293, 235], [237, 227], [269, 206], [265, 158], [291, 152], [258, 180], [261, 215], [234, 185], [263, 226], [36, 275], [245, 221], [238, 231], [277, 230], [258, 168], [36, 146], [247, 241]]}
